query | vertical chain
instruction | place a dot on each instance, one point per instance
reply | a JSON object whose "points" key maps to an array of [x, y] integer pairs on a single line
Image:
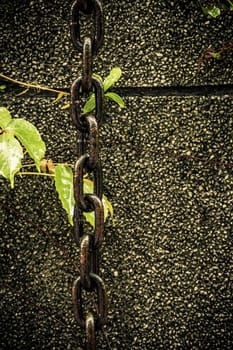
{"points": [[88, 161]]}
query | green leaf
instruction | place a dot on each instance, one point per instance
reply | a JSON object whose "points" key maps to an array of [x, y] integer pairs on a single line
{"points": [[65, 188], [90, 217], [212, 11], [98, 77], [5, 117], [116, 98], [90, 104], [2, 88], [88, 187], [11, 154], [29, 136], [215, 55], [112, 78], [107, 207], [231, 4]]}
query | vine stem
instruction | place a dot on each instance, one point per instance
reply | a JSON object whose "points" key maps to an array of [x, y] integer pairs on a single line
{"points": [[29, 165], [34, 86], [33, 173]]}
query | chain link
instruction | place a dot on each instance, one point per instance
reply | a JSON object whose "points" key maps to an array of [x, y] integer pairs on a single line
{"points": [[88, 162], [76, 94], [87, 7]]}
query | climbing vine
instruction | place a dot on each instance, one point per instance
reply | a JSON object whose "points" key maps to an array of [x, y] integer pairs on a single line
{"points": [[19, 137]]}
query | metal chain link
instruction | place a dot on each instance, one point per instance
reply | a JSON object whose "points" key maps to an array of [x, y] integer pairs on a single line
{"points": [[87, 125]]}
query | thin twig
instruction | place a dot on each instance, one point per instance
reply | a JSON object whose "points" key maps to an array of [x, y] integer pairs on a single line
{"points": [[34, 173], [33, 86]]}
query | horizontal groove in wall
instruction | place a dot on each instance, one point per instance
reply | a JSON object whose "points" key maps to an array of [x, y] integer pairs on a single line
{"points": [[208, 90], [204, 90]]}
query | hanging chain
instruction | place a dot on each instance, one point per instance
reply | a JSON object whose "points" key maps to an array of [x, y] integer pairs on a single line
{"points": [[87, 125]]}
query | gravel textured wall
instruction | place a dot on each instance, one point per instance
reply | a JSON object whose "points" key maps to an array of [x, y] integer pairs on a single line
{"points": [[167, 260], [155, 42]]}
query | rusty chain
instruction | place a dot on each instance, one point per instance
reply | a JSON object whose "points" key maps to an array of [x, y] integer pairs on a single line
{"points": [[87, 125]]}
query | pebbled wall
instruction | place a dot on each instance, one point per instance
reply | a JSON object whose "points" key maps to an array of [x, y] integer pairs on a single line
{"points": [[167, 162]]}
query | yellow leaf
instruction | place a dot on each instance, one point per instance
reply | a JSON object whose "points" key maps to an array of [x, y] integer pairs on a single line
{"points": [[108, 205], [59, 96], [65, 106]]}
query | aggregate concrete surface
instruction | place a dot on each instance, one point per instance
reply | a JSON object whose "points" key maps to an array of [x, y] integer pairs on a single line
{"points": [[167, 163], [154, 42]]}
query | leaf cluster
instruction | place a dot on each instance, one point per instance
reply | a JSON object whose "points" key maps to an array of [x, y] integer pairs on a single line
{"points": [[108, 82], [64, 185], [214, 10], [13, 133], [17, 134], [218, 54]]}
